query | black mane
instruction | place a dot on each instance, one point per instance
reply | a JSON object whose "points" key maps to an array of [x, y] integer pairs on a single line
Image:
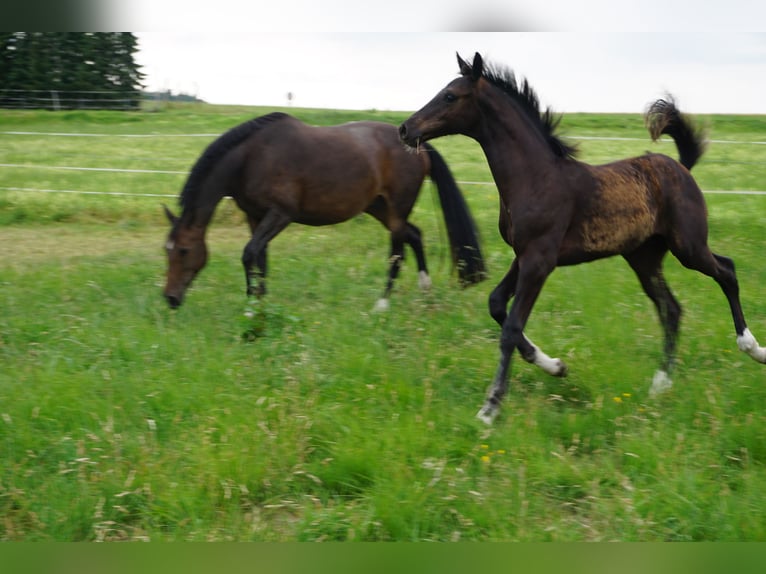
{"points": [[215, 151], [522, 93]]}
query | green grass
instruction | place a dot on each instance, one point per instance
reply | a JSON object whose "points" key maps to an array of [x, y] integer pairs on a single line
{"points": [[123, 420]]}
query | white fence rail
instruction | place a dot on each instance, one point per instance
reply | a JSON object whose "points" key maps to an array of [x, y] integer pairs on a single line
{"points": [[32, 166]]}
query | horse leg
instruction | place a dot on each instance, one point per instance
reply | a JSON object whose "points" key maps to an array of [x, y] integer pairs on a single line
{"points": [[721, 269], [646, 262], [260, 263], [498, 299], [254, 253], [498, 304], [413, 238], [727, 279], [395, 263], [532, 272]]}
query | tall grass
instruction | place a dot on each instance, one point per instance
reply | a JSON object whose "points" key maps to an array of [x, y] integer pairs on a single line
{"points": [[123, 420]]}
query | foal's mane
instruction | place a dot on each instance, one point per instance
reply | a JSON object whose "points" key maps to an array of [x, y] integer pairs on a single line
{"points": [[190, 195], [524, 95]]}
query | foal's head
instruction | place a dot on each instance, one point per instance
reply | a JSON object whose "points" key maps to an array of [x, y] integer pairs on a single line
{"points": [[187, 255], [454, 110], [483, 97]]}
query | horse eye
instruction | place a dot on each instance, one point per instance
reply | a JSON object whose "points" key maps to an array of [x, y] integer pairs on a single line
{"points": [[183, 251], [449, 97]]}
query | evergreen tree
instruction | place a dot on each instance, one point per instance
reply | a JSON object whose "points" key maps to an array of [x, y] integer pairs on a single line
{"points": [[69, 70]]}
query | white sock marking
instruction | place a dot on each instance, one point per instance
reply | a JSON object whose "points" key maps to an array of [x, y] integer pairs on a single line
{"points": [[486, 417], [424, 281], [748, 344], [381, 305], [555, 367], [661, 383]]}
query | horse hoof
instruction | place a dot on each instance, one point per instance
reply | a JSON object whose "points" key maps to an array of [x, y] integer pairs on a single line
{"points": [[554, 367], [661, 383], [747, 343], [424, 281], [487, 414], [381, 306]]}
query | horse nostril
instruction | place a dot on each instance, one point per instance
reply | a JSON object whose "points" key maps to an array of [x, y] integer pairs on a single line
{"points": [[403, 131]]}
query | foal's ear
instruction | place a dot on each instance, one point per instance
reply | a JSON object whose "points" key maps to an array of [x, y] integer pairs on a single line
{"points": [[478, 67], [465, 67], [169, 214], [473, 71]]}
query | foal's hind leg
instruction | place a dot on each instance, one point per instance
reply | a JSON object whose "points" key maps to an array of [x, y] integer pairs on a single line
{"points": [[646, 261], [721, 269], [254, 253], [498, 305], [727, 279]]}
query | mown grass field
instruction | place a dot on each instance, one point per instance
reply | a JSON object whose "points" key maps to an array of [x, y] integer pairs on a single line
{"points": [[123, 420]]}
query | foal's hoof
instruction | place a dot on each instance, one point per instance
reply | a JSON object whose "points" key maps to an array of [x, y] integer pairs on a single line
{"points": [[661, 383], [487, 414], [381, 306], [424, 281], [561, 368], [747, 343]]}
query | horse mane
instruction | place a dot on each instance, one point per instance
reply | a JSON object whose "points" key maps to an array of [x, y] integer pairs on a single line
{"points": [[190, 194], [523, 94]]}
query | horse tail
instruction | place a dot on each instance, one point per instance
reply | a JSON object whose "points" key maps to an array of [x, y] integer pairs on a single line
{"points": [[663, 117], [461, 228]]}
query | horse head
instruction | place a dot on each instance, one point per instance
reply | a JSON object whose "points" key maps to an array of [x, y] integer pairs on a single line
{"points": [[187, 255], [453, 110]]}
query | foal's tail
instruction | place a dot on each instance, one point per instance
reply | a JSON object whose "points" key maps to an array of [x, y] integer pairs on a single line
{"points": [[662, 117], [461, 229]]}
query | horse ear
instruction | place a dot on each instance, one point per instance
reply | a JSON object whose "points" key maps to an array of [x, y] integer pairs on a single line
{"points": [[465, 67], [478, 67], [169, 214]]}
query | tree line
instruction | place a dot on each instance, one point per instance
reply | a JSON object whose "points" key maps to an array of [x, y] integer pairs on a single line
{"points": [[69, 70]]}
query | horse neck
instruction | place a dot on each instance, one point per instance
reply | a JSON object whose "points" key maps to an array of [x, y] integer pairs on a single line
{"points": [[200, 215], [515, 148], [200, 211]]}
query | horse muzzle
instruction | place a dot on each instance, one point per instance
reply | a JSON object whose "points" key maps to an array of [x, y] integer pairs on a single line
{"points": [[174, 301], [409, 135]]}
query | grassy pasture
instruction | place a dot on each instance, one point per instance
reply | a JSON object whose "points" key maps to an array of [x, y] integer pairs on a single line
{"points": [[122, 420]]}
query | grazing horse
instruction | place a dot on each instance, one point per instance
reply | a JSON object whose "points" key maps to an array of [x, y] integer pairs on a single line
{"points": [[555, 210], [279, 170]]}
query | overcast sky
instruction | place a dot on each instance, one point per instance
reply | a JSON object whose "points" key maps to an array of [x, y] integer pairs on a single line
{"points": [[718, 66]]}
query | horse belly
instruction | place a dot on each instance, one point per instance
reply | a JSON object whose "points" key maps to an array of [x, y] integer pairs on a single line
{"points": [[622, 213], [619, 230], [333, 203]]}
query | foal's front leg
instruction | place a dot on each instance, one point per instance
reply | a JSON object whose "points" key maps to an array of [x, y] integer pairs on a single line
{"points": [[529, 283], [498, 303]]}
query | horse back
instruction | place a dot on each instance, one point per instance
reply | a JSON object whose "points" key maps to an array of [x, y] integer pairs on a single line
{"points": [[324, 174]]}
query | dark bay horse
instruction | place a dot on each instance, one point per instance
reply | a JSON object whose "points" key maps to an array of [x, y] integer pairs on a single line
{"points": [[556, 210], [279, 170]]}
